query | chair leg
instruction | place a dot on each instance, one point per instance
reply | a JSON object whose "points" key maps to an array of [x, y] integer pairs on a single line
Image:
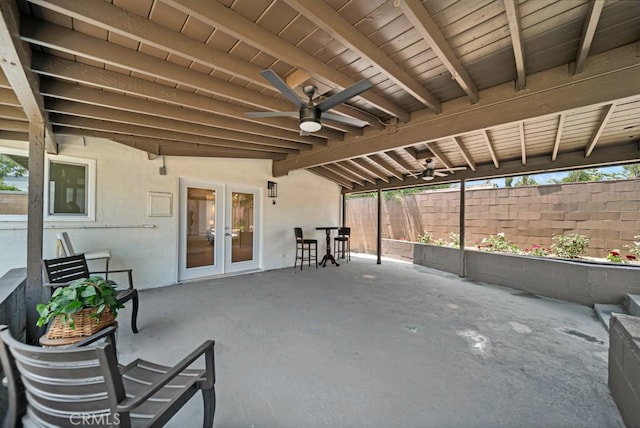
{"points": [[209, 399], [134, 313]]}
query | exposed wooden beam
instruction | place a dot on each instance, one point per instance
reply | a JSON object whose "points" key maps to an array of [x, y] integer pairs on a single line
{"points": [[523, 145], [69, 70], [168, 125], [382, 163], [361, 163], [465, 153], [492, 152], [611, 155], [357, 171], [416, 13], [223, 18], [611, 75], [185, 149], [442, 159], [515, 27], [402, 162], [604, 119], [334, 24], [556, 143], [143, 131], [589, 30], [53, 36], [15, 59], [348, 175], [323, 171], [298, 77], [80, 96]]}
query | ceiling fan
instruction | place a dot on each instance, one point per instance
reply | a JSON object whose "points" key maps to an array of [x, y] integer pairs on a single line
{"points": [[431, 172], [311, 114]]}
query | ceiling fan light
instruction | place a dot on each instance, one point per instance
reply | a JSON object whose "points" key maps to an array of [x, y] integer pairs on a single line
{"points": [[310, 125], [429, 173]]}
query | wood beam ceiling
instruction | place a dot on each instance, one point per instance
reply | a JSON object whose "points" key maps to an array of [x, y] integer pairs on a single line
{"points": [[15, 59], [334, 24], [430, 31], [590, 25], [515, 27], [219, 16], [612, 75]]}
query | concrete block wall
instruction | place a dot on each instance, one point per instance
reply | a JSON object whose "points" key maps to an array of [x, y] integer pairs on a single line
{"points": [[607, 212], [624, 367], [13, 204]]}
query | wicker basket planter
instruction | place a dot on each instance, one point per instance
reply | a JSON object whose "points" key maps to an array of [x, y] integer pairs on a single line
{"points": [[85, 324]]}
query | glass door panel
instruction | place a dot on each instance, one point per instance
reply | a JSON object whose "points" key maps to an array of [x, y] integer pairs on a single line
{"points": [[241, 226], [242, 220], [200, 228]]}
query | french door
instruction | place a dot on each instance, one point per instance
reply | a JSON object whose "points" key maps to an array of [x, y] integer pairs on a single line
{"points": [[217, 229]]}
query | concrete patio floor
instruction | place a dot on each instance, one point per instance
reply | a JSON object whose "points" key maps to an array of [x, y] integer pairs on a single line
{"points": [[391, 345]]}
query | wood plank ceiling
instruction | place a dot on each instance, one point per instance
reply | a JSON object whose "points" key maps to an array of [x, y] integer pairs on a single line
{"points": [[482, 87]]}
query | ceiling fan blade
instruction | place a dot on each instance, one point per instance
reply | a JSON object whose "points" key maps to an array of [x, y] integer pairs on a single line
{"points": [[343, 120], [439, 174], [344, 95], [271, 114], [280, 85]]}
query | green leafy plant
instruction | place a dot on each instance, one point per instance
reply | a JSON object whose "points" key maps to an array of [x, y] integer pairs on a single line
{"points": [[425, 238], [570, 246], [498, 243], [93, 292]]}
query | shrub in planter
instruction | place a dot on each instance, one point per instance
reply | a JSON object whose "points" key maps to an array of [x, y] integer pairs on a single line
{"points": [[498, 243], [570, 246]]}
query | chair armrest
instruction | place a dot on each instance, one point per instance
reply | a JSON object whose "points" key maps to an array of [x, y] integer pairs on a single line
{"points": [[129, 273], [206, 348]]}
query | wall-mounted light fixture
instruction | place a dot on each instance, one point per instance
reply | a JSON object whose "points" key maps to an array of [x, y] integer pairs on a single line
{"points": [[272, 190], [429, 173]]}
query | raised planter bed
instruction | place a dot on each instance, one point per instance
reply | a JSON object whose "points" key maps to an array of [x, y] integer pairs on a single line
{"points": [[580, 281]]}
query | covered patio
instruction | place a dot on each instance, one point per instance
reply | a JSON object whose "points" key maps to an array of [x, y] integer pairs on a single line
{"points": [[381, 345]]}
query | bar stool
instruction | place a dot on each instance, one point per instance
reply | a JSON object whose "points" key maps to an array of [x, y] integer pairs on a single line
{"points": [[301, 245], [344, 233]]}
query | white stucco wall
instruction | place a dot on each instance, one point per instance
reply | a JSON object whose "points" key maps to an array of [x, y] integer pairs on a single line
{"points": [[149, 245]]}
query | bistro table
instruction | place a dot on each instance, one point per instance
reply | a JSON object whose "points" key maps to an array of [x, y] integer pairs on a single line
{"points": [[328, 256]]}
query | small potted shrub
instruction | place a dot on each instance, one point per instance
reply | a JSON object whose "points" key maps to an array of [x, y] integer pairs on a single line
{"points": [[81, 308]]}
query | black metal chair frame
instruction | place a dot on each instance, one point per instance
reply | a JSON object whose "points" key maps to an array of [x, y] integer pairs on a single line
{"points": [[343, 239], [61, 271], [55, 387], [303, 244]]}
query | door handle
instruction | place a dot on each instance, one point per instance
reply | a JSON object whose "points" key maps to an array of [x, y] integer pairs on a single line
{"points": [[227, 234]]}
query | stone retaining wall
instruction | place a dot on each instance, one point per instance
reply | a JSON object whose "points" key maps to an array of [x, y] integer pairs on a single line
{"points": [[607, 212]]}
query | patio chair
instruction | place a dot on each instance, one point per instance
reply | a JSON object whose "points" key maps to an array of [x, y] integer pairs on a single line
{"points": [[65, 242], [302, 244], [83, 386], [61, 271], [341, 241]]}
